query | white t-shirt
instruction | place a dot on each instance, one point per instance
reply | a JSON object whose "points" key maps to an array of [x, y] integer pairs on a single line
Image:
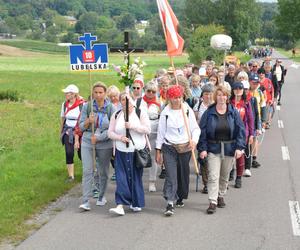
{"points": [[278, 73], [71, 116]]}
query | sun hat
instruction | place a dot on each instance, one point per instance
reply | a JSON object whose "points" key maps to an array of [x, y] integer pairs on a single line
{"points": [[71, 89]]}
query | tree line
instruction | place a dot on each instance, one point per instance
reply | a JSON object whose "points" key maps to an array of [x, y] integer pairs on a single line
{"points": [[63, 20]]}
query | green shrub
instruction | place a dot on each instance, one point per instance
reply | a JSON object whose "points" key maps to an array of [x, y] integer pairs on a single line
{"points": [[200, 48], [10, 95]]}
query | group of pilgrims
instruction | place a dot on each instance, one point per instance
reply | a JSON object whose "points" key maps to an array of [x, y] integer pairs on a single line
{"points": [[218, 113]]}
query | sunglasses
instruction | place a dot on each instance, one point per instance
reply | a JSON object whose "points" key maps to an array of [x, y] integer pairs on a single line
{"points": [[151, 91], [136, 88], [254, 66]]}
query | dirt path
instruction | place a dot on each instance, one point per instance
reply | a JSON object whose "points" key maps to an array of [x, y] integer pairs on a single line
{"points": [[6, 50]]}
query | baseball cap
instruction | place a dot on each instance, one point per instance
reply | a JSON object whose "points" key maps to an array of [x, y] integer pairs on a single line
{"points": [[237, 85], [253, 78], [71, 89]]}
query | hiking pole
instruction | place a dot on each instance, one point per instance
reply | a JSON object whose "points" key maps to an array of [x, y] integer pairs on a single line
{"points": [[187, 129], [93, 123]]}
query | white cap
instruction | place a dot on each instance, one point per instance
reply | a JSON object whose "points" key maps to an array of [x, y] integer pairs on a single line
{"points": [[71, 89], [246, 84]]}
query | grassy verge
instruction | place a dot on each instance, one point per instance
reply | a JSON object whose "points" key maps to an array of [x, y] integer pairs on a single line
{"points": [[32, 167], [288, 54]]}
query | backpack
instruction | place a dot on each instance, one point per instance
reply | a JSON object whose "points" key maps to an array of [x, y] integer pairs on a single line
{"points": [[107, 111], [137, 109]]}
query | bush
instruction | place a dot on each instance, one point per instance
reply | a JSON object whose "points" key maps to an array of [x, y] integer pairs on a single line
{"points": [[199, 44], [10, 95]]}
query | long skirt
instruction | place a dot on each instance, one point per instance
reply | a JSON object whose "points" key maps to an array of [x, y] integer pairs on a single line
{"points": [[129, 181]]}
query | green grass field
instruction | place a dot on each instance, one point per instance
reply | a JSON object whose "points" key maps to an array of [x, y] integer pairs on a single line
{"points": [[32, 161]]}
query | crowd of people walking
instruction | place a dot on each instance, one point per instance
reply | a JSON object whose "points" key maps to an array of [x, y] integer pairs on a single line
{"points": [[219, 114]]}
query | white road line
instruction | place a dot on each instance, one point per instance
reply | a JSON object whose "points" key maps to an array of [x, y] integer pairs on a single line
{"points": [[278, 107], [280, 124], [285, 153], [295, 217]]}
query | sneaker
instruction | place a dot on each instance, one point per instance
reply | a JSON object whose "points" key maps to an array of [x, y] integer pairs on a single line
{"points": [[247, 173], [179, 203], [152, 187], [204, 190], [101, 202], [85, 206], [255, 164], [169, 210], [162, 174], [113, 177], [221, 203], [95, 194], [238, 183], [278, 103], [135, 209], [70, 179], [212, 208], [118, 210]]}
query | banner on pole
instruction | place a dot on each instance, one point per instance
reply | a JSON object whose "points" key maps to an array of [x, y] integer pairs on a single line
{"points": [[88, 56]]}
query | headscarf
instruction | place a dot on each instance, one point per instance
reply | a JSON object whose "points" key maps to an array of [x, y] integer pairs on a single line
{"points": [[175, 91]]}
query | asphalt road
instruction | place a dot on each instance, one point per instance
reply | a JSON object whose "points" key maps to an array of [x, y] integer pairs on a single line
{"points": [[257, 216]]}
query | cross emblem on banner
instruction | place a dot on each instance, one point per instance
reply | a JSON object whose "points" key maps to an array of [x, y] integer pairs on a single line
{"points": [[87, 39]]}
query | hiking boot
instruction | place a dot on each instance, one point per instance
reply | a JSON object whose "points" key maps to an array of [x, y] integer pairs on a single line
{"points": [[238, 182], [85, 206], [179, 203], [221, 203], [231, 175], [169, 210], [162, 174], [255, 164], [247, 173], [204, 190], [212, 208]]}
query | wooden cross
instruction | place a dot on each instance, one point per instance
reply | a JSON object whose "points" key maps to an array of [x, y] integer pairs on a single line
{"points": [[126, 50]]}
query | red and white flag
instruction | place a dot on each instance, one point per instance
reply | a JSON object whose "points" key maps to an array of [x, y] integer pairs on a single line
{"points": [[170, 26]]}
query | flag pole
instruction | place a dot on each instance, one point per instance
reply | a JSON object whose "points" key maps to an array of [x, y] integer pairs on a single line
{"points": [[187, 129], [93, 124]]}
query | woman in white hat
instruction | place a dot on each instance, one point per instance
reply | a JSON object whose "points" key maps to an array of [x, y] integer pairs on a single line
{"points": [[70, 111]]}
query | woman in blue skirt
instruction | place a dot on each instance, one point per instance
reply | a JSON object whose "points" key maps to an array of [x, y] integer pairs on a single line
{"points": [[129, 190]]}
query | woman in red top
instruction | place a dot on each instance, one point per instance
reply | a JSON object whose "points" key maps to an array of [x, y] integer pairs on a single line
{"points": [[238, 99], [70, 111], [267, 87]]}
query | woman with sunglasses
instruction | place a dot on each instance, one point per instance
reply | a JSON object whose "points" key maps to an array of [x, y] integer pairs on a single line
{"points": [[152, 103], [238, 100], [137, 89]]}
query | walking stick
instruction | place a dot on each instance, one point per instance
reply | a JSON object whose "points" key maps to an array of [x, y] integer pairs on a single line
{"points": [[93, 124], [186, 125]]}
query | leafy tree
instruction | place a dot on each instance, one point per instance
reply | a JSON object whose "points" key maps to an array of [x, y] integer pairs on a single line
{"points": [[240, 18], [51, 34], [87, 23], [288, 18], [200, 48], [125, 21]]}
